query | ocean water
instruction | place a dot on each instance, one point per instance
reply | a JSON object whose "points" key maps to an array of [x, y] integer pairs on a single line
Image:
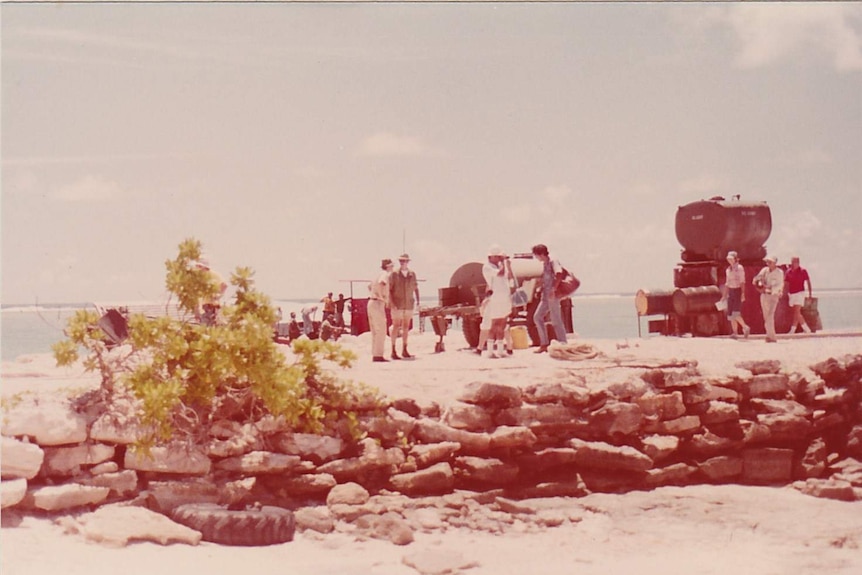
{"points": [[33, 329]]}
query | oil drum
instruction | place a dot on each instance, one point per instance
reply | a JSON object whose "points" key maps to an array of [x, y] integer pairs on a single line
{"points": [[653, 302], [693, 300]]}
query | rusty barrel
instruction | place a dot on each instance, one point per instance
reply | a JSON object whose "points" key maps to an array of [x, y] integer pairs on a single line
{"points": [[693, 300], [653, 302]]}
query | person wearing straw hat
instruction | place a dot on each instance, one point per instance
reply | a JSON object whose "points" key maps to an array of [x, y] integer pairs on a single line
{"points": [[770, 283], [498, 307], [734, 294], [403, 298]]}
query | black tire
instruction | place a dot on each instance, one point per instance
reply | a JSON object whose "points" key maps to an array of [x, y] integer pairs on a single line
{"points": [[247, 528], [470, 327]]}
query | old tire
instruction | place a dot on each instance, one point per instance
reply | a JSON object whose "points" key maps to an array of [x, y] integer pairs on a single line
{"points": [[248, 528]]}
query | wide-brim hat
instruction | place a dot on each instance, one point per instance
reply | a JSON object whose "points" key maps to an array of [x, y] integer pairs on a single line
{"points": [[403, 258], [772, 259], [496, 250], [733, 255], [385, 263]]}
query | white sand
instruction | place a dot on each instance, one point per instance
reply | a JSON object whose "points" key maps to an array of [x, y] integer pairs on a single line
{"points": [[693, 530]]}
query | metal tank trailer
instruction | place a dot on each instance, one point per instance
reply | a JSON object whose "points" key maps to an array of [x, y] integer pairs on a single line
{"points": [[462, 298], [707, 230]]}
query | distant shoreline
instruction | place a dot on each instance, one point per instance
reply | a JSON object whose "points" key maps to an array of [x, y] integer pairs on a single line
{"points": [[63, 306]]}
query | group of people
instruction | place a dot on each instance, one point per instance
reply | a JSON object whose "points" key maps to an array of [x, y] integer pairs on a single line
{"points": [[398, 291], [772, 282]]}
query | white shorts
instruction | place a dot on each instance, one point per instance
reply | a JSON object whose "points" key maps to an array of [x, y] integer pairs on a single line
{"points": [[797, 298]]}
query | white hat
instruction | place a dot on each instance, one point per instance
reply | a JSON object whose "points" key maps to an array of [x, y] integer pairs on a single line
{"points": [[496, 250], [732, 254], [772, 259]]}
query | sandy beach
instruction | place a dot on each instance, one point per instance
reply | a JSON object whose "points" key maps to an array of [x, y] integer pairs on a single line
{"points": [[670, 530]]}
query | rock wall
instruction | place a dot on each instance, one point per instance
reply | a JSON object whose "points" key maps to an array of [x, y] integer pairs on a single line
{"points": [[670, 426]]}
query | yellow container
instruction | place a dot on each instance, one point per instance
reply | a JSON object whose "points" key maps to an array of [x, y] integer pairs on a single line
{"points": [[519, 337]]}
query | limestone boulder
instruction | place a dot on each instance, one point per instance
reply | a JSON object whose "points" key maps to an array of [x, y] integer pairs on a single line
{"points": [[314, 485], [718, 412], [317, 519], [19, 459], [468, 417], [347, 494], [505, 437], [51, 422], [761, 366], [438, 478], [315, 448], [12, 492], [491, 395], [431, 431], [617, 419], [662, 406], [767, 385], [426, 455], [67, 461], [601, 455], [485, 470], [61, 497], [568, 394], [117, 526], [660, 447], [676, 474]]}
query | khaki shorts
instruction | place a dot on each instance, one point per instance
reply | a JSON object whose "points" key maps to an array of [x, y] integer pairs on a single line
{"points": [[402, 314], [797, 298]]}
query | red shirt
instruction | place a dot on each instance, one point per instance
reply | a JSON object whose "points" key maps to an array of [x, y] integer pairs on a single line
{"points": [[795, 279]]}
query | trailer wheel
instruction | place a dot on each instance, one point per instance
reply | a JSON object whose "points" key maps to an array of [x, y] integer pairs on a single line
{"points": [[250, 527], [470, 327]]}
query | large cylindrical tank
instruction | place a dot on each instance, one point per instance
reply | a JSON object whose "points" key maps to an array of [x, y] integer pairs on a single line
{"points": [[708, 229]]}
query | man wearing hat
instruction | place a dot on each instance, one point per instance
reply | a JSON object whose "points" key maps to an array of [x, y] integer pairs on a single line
{"points": [[770, 283], [403, 297], [378, 301], [734, 294]]}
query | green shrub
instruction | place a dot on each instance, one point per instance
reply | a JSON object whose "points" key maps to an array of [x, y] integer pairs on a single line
{"points": [[187, 375]]}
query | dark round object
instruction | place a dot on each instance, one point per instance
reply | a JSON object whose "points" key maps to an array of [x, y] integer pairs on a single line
{"points": [[250, 527], [470, 326], [708, 229], [470, 283]]}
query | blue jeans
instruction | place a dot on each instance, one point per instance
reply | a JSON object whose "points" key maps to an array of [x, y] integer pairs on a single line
{"points": [[551, 305]]}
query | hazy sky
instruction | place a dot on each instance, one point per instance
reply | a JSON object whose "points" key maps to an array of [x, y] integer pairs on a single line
{"points": [[308, 141]]}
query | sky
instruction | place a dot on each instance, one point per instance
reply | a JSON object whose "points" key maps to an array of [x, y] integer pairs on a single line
{"points": [[308, 141]]}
